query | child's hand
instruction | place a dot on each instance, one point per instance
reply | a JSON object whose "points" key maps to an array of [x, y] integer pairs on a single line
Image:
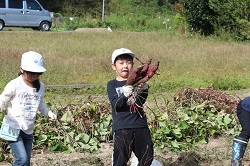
{"points": [[52, 115], [142, 87], [127, 90]]}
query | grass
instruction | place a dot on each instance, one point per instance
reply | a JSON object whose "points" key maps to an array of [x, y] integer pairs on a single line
{"points": [[79, 57]]}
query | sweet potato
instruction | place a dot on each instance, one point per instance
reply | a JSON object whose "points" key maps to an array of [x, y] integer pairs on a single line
{"points": [[152, 69], [134, 75], [145, 68], [142, 80], [150, 72], [142, 74]]}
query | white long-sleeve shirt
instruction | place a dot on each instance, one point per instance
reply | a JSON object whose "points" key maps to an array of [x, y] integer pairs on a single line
{"points": [[23, 102]]}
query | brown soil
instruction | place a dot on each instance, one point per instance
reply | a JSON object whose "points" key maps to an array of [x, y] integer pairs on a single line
{"points": [[216, 153]]}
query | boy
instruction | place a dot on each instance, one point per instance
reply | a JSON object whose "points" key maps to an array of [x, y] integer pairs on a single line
{"points": [[130, 128]]}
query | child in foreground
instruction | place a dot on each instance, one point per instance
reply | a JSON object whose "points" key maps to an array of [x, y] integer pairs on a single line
{"points": [[130, 128], [23, 97]]}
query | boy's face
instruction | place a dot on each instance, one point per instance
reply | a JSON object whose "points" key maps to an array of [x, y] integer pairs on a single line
{"points": [[123, 65]]}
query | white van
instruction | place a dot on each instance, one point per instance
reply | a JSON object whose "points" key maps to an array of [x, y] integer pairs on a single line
{"points": [[24, 13]]}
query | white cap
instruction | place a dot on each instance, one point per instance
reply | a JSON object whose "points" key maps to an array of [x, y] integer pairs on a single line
{"points": [[32, 61], [121, 51]]}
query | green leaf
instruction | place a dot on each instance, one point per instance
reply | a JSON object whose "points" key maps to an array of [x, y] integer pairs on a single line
{"points": [[212, 132], [219, 119], [177, 133], [188, 139], [163, 117], [67, 117], [43, 138], [72, 134], [182, 125], [227, 119], [78, 137], [54, 147], [106, 124], [85, 146], [71, 148], [175, 144], [93, 142], [163, 124], [93, 106], [167, 130], [85, 138]]}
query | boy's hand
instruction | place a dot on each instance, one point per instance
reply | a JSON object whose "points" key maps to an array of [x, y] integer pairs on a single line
{"points": [[127, 90], [142, 87], [52, 115]]}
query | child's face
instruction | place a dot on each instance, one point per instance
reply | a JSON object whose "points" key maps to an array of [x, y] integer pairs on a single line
{"points": [[30, 76], [123, 66]]}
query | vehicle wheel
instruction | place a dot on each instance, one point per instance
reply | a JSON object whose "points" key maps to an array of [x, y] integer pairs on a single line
{"points": [[1, 25], [44, 26]]}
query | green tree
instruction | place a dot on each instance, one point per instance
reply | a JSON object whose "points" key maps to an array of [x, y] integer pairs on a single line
{"points": [[232, 16], [52, 5], [218, 17], [199, 15], [74, 7], [81, 8]]}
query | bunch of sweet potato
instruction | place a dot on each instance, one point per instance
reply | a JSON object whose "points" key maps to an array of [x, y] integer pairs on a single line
{"points": [[142, 74]]}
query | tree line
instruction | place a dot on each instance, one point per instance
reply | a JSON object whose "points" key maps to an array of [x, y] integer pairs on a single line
{"points": [[206, 17], [94, 8]]}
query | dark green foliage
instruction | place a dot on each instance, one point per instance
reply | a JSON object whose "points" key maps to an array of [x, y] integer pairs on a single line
{"points": [[82, 8], [198, 15], [232, 17], [52, 5], [218, 17], [74, 7]]}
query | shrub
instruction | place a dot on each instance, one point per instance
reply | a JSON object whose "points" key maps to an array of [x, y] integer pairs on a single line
{"points": [[231, 17], [218, 17], [199, 15]]}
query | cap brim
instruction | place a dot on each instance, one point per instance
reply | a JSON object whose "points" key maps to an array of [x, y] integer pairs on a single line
{"points": [[131, 54], [35, 69]]}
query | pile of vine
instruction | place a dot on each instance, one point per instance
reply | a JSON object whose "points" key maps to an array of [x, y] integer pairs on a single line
{"points": [[188, 97], [193, 116]]}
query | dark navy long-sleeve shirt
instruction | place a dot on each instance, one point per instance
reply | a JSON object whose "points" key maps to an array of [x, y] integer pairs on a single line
{"points": [[121, 113]]}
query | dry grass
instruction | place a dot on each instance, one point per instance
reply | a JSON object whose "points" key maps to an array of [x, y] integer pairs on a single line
{"points": [[84, 57]]}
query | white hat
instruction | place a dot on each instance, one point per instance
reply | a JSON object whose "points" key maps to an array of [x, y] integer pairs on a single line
{"points": [[32, 61], [121, 51]]}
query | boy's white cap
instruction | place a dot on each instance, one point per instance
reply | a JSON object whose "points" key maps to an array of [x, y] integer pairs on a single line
{"points": [[32, 61], [121, 51]]}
